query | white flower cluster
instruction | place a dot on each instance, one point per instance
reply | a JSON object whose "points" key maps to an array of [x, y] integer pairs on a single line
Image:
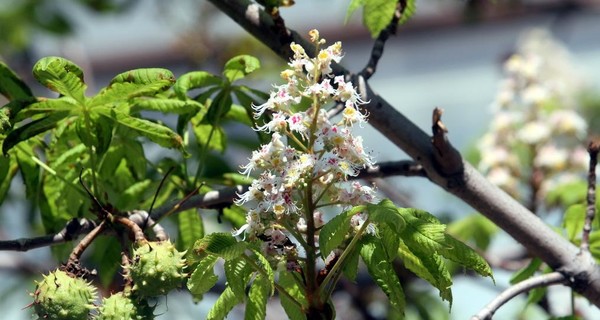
{"points": [[308, 155], [536, 136]]}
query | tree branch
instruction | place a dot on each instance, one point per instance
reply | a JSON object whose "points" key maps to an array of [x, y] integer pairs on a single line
{"points": [[73, 229], [468, 185], [543, 280], [593, 149], [379, 44]]}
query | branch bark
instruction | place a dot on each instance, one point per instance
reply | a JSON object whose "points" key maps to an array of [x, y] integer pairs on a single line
{"points": [[468, 184]]}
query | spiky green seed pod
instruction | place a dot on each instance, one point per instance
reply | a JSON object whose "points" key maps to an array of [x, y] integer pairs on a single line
{"points": [[120, 306], [63, 296], [156, 269]]}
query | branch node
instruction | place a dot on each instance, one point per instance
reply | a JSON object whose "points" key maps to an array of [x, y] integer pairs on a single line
{"points": [[446, 158]]}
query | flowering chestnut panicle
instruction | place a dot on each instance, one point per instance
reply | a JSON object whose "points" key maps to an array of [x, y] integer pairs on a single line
{"points": [[309, 157], [535, 113]]}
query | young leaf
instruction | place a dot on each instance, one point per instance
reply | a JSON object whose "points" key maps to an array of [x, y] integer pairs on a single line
{"points": [[62, 76], [377, 14], [194, 80], [165, 105], [390, 241], [422, 230], [146, 76], [476, 227], [43, 106], [387, 213], [295, 290], [209, 136], [8, 170], [266, 267], [238, 273], [350, 267], [354, 4], [190, 226], [226, 301], [573, 221], [11, 86], [203, 278], [221, 244], [239, 67], [155, 132], [382, 271], [30, 171], [414, 263], [526, 272], [32, 129], [334, 232], [462, 254], [256, 306], [219, 107]]}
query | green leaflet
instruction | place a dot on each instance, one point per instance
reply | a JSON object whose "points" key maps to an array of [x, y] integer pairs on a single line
{"points": [[43, 106], [134, 193], [422, 230], [266, 267], [221, 244], [239, 114], [227, 300], [334, 232], [165, 105], [203, 278], [210, 137], [8, 170], [256, 305], [94, 132], [294, 289], [155, 132], [194, 80], [236, 215], [573, 221], [377, 14], [30, 171], [414, 263], [238, 273], [354, 4], [526, 272], [219, 107], [382, 271], [409, 11], [386, 212], [32, 129], [190, 227], [62, 76], [107, 256], [464, 255], [11, 86], [350, 267], [239, 67], [146, 76]]}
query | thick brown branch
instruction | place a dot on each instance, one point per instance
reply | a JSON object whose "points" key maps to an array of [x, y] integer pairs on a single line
{"points": [[593, 149], [468, 185], [72, 230]]}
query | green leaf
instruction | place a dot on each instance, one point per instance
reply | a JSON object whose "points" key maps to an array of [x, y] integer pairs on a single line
{"points": [[44, 106], [210, 137], [146, 76], [382, 271], [221, 244], [390, 241], [526, 272], [194, 80], [377, 14], [239, 67], [203, 278], [226, 301], [30, 171], [354, 4], [573, 221], [238, 273], [236, 215], [32, 129], [62, 76], [413, 263], [165, 105], [334, 232], [536, 295], [567, 194], [256, 306], [423, 230], [99, 133], [219, 107], [107, 256], [462, 254], [157, 133], [291, 285], [266, 267], [386, 212], [190, 226], [11, 86], [8, 170], [238, 113]]}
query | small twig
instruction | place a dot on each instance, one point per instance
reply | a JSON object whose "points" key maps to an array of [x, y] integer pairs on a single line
{"points": [[379, 44], [162, 181], [407, 168], [142, 218], [593, 149], [85, 242], [544, 280], [138, 233]]}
